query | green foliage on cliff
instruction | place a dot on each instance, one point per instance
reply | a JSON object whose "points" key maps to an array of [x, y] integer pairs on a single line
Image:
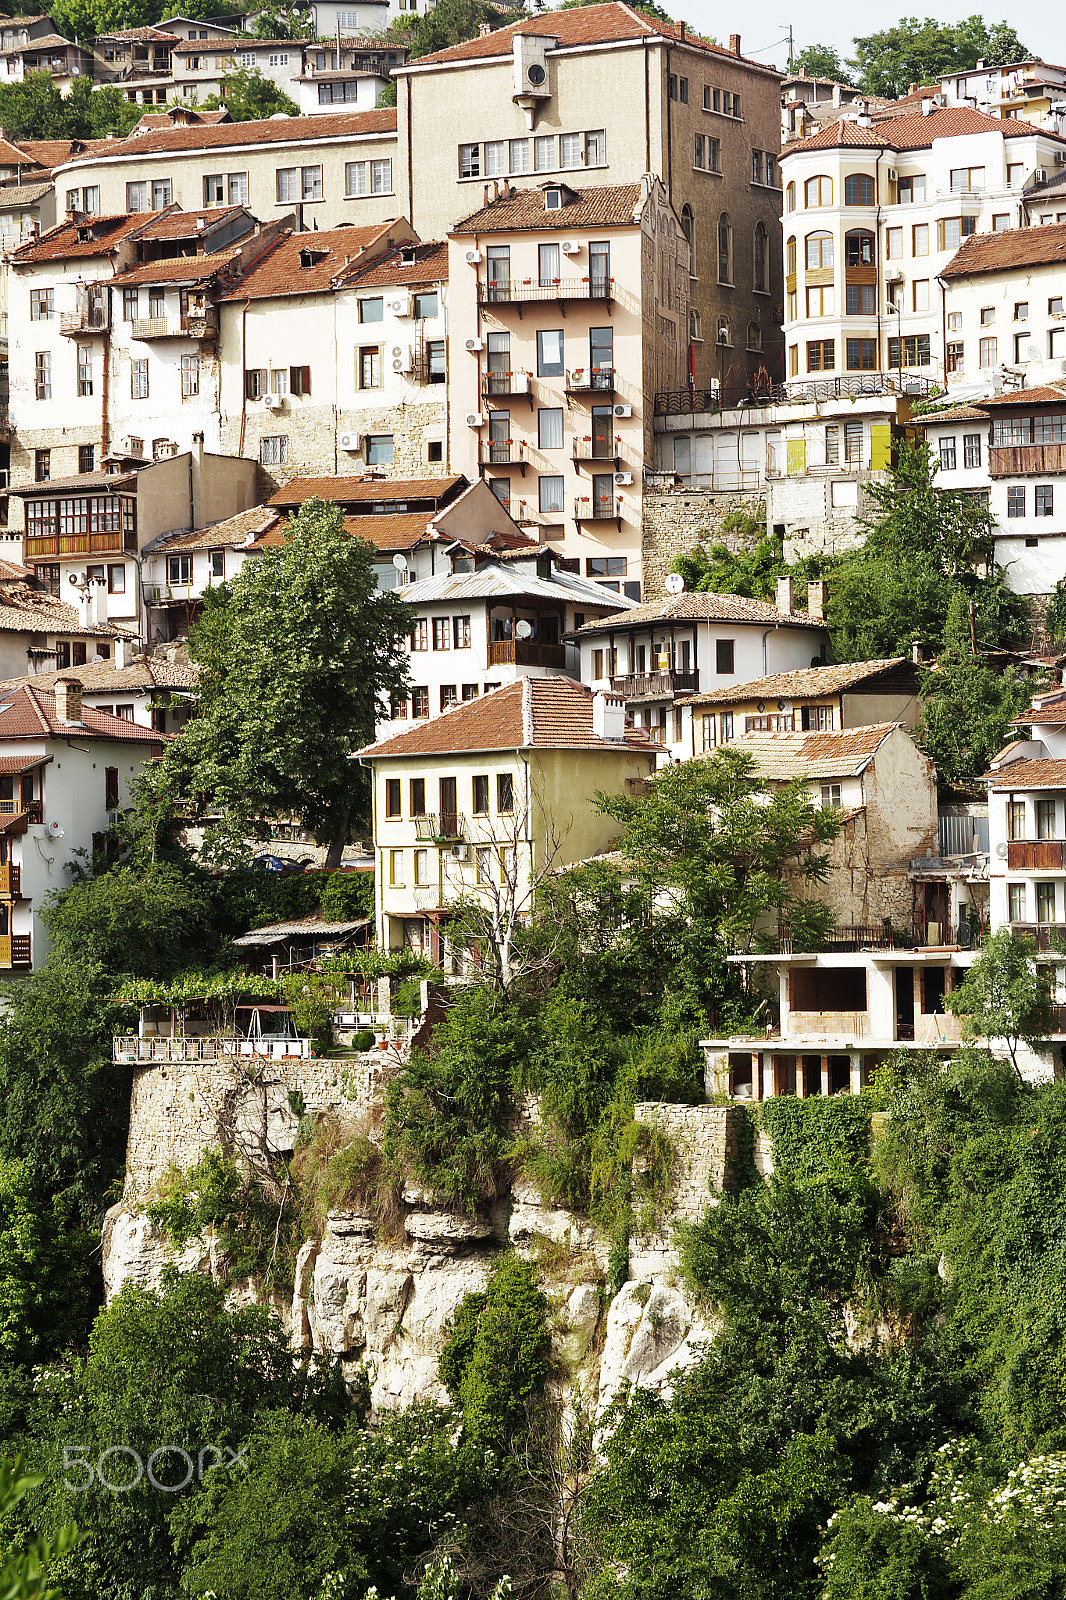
{"points": [[497, 1358]]}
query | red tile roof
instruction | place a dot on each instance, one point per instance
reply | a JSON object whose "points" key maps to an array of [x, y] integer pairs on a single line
{"points": [[177, 224], [11, 155], [49, 152], [26, 610], [915, 132], [1045, 394], [430, 265], [1001, 252], [352, 491], [551, 713], [399, 532], [1029, 775], [294, 130], [140, 36], [804, 683], [782, 756], [176, 269], [279, 272], [233, 533], [610, 206], [30, 713], [585, 25], [701, 606], [62, 243]]}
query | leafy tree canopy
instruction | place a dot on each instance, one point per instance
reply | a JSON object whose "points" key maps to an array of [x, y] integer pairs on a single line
{"points": [[889, 61], [249, 95], [967, 708], [35, 109], [820, 61], [449, 22], [1005, 995]]}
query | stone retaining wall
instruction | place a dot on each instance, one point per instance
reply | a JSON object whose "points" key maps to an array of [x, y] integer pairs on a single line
{"points": [[675, 521]]}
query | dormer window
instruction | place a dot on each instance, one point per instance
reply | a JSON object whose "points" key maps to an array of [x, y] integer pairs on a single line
{"points": [[407, 255], [553, 199], [311, 258]]}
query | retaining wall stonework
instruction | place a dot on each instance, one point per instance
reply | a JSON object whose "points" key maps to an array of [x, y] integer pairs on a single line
{"points": [[675, 521]]}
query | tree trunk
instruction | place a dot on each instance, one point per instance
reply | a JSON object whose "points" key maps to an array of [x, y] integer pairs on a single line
{"points": [[338, 842]]}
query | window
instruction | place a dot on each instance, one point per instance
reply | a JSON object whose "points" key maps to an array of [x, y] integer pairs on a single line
{"points": [[861, 299], [483, 859], [920, 239], [519, 154], [953, 230], [1043, 500], [754, 336], [821, 355], [161, 194], [42, 466], [1054, 306], [920, 294], [86, 457], [830, 796], [912, 351], [1016, 500], [862, 355], [548, 265], [42, 371], [550, 353], [274, 450], [987, 352], [420, 703], [688, 224], [481, 794], [421, 866], [544, 153], [953, 357], [793, 360], [725, 249], [42, 305], [379, 449], [759, 258], [1000, 222], [821, 302], [136, 197], [550, 428], [894, 243], [179, 569], [504, 793], [1016, 901], [369, 367], [214, 189], [367, 177], [724, 656], [607, 567], [988, 316], [550, 493], [1045, 819], [818, 192], [396, 872], [434, 447], [971, 449], [947, 454], [469, 161], [217, 564], [912, 190], [697, 152], [756, 166], [682, 90], [1021, 310], [819, 250], [1045, 902], [139, 379], [964, 180], [858, 189], [1016, 819], [85, 370], [190, 376], [570, 150]]}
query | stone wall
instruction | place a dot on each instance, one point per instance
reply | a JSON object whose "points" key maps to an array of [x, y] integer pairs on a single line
{"points": [[675, 521], [313, 434]]}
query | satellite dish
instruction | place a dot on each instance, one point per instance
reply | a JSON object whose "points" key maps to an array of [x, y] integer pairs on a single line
{"points": [[55, 830], [400, 563], [523, 630], [675, 583], [1032, 352], [73, 578]]}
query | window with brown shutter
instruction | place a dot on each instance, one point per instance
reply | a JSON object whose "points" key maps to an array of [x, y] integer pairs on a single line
{"points": [[299, 380]]}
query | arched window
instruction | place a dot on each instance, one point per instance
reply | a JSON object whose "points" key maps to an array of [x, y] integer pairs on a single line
{"points": [[859, 248], [858, 189], [725, 250], [790, 257], [818, 192], [819, 250], [695, 327], [790, 197], [759, 257], [688, 224]]}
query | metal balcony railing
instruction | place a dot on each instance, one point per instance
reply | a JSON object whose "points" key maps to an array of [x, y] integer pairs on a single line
{"points": [[440, 826]]}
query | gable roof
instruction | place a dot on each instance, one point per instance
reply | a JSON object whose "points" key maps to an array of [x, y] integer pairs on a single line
{"points": [[1001, 252], [30, 713], [295, 130], [353, 491], [1044, 394], [782, 756], [1036, 774], [400, 531], [494, 582], [26, 610], [702, 606], [915, 132], [805, 682], [584, 25], [609, 206], [62, 243], [429, 265], [551, 713], [237, 531], [103, 677], [279, 271]]}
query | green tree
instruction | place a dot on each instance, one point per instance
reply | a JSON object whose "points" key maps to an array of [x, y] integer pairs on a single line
{"points": [[967, 709], [250, 96], [820, 61], [44, 1271], [449, 22], [278, 22], [25, 1566], [1005, 995], [134, 921], [889, 61], [497, 1357], [313, 650]]}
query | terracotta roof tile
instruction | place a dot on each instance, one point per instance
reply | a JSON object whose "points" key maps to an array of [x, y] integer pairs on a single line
{"points": [[139, 36], [781, 756], [12, 155], [162, 119], [82, 480], [62, 243], [23, 609], [430, 265], [13, 196], [358, 491], [400, 532], [610, 206], [1045, 394], [807, 681], [234, 533], [551, 713], [1041, 774], [294, 130], [603, 24], [103, 677], [176, 269], [1000, 252], [702, 606], [48, 152], [915, 132], [203, 47], [30, 713], [177, 224], [970, 413], [279, 271], [47, 41]]}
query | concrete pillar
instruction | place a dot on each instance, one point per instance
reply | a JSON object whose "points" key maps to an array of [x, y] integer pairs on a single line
{"points": [[856, 1071], [825, 1074], [758, 1088]]}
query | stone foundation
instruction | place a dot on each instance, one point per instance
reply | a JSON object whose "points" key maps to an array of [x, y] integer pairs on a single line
{"points": [[676, 521]]}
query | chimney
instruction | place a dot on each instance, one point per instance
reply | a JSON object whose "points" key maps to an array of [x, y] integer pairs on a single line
{"points": [[980, 67], [608, 716], [68, 700], [817, 599], [785, 600], [916, 652], [484, 30], [734, 44]]}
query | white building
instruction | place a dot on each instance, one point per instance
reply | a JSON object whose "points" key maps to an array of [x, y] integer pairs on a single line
{"points": [[146, 690], [177, 569], [872, 216], [1002, 306]]}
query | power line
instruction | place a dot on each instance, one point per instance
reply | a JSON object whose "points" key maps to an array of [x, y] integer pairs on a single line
{"points": [[763, 48]]}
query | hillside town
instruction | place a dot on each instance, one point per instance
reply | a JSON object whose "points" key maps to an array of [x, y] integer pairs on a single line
{"points": [[536, 957]]}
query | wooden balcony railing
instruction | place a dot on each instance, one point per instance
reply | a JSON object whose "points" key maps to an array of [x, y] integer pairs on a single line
{"points": [[655, 685], [440, 826], [77, 544], [10, 881], [527, 653], [74, 322], [1034, 855], [1025, 460], [188, 327]]}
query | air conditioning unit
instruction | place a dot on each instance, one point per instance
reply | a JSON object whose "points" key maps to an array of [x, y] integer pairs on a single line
{"points": [[460, 852], [472, 257], [894, 276], [474, 345], [570, 247], [579, 378], [474, 419], [893, 175], [400, 305], [403, 358], [623, 410], [274, 402], [622, 478], [1041, 174], [351, 441]]}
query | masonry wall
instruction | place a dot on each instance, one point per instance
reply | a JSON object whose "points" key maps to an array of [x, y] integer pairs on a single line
{"points": [[675, 522], [812, 516]]}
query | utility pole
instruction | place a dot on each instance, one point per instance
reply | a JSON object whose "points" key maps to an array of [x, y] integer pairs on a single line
{"points": [[791, 47]]}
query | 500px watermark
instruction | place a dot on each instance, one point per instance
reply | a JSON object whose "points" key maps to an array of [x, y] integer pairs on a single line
{"points": [[120, 1468]]}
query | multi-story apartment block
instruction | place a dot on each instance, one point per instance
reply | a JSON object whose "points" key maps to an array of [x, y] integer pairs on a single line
{"points": [[872, 216], [1034, 91], [1002, 307], [658, 656], [313, 167], [320, 75], [1010, 450], [40, 631], [492, 618], [569, 307], [480, 802], [517, 102]]}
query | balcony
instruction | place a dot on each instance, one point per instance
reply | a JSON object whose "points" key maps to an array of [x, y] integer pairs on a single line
{"points": [[503, 453], [527, 653], [16, 815], [598, 509], [655, 685], [10, 881], [442, 827], [189, 327], [507, 386], [560, 291], [15, 950], [37, 546], [1025, 460], [1035, 855], [91, 320], [1049, 937], [590, 380], [129, 1049], [797, 391]]}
